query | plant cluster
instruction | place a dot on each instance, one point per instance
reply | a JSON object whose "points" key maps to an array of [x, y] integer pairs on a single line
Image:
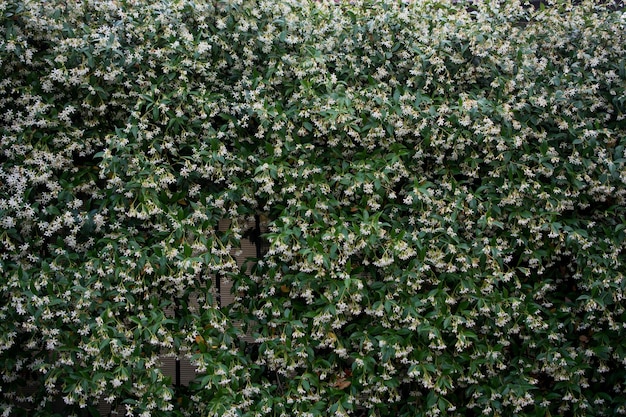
{"points": [[444, 186]]}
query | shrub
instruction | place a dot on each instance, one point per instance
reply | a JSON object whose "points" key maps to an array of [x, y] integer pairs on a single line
{"points": [[443, 185]]}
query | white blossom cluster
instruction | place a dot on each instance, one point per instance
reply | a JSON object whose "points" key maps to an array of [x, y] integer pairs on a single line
{"points": [[443, 182]]}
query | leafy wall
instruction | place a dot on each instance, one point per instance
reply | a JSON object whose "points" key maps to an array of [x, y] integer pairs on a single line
{"points": [[443, 185]]}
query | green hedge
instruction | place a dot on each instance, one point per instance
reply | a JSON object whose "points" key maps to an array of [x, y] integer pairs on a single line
{"points": [[443, 185]]}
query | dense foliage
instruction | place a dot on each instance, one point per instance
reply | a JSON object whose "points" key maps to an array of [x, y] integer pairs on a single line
{"points": [[444, 186]]}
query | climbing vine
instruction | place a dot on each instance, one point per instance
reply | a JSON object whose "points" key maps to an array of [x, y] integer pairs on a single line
{"points": [[442, 187]]}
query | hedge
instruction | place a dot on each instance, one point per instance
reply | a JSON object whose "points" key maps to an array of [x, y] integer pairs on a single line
{"points": [[443, 185]]}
